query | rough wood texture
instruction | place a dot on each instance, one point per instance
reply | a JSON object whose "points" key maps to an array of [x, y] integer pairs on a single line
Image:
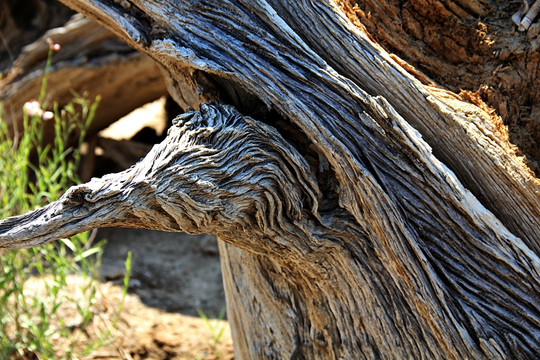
{"points": [[91, 61], [345, 236], [471, 48]]}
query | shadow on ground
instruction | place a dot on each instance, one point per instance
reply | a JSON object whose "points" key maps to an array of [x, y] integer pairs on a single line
{"points": [[174, 272]]}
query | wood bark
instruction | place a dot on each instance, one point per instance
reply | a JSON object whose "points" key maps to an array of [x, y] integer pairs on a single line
{"points": [[470, 48], [362, 214]]}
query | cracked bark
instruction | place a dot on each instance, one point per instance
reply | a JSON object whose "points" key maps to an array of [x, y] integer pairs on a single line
{"points": [[348, 229]]}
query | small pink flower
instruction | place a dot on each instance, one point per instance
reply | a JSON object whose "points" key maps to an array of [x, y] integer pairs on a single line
{"points": [[52, 45], [33, 108], [47, 115]]}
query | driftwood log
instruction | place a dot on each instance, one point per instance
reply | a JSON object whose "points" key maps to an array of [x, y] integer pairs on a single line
{"points": [[362, 214]]}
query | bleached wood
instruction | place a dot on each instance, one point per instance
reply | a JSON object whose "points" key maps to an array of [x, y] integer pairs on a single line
{"points": [[344, 235], [316, 279]]}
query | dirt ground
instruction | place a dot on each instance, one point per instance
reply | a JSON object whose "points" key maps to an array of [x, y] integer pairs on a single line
{"points": [[174, 276]]}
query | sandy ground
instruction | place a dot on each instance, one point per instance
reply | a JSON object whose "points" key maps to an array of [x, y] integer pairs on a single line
{"points": [[173, 276]]}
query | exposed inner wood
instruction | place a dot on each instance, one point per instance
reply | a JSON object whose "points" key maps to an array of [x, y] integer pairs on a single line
{"points": [[471, 48]]}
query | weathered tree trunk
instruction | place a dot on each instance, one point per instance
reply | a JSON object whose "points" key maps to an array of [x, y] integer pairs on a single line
{"points": [[362, 214]]}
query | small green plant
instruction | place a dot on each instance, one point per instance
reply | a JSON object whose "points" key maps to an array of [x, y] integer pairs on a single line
{"points": [[125, 287], [35, 291], [216, 329]]}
